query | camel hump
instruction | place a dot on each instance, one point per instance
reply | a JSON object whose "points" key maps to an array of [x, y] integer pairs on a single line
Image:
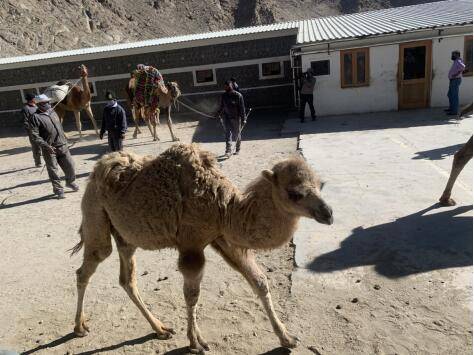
{"points": [[116, 170], [190, 155]]}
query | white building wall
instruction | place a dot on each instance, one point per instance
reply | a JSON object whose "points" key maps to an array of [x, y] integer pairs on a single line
{"points": [[441, 65], [382, 93]]}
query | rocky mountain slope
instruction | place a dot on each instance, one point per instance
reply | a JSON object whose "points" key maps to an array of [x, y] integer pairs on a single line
{"points": [[38, 26]]}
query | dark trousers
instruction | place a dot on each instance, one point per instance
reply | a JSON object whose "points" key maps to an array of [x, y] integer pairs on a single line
{"points": [[306, 98], [453, 95], [115, 141], [35, 148], [232, 133], [64, 160]]}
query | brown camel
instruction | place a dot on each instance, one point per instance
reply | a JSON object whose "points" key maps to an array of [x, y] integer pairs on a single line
{"points": [[167, 95], [461, 158], [182, 200], [77, 99]]}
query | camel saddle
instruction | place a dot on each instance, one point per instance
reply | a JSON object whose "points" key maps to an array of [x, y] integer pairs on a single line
{"points": [[56, 93], [147, 79]]}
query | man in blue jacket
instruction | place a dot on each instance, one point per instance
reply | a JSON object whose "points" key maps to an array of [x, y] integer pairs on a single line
{"points": [[114, 121]]}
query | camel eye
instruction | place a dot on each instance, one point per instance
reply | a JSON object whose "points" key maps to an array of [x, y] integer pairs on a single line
{"points": [[294, 195]]}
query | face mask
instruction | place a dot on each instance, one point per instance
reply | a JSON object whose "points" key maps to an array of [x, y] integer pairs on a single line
{"points": [[110, 102], [44, 106]]}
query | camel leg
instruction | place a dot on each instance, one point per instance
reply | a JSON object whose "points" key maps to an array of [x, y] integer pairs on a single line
{"points": [[243, 261], [170, 125], [128, 281], [135, 120], [95, 235], [191, 265], [89, 113], [77, 116], [461, 158]]}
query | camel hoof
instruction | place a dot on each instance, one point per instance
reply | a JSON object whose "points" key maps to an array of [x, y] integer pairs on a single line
{"points": [[165, 334], [447, 202], [289, 342], [196, 350], [81, 330]]}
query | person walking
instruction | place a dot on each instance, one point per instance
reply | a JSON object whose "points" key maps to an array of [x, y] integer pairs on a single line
{"points": [[455, 77], [48, 133], [26, 112], [306, 94], [114, 122], [232, 108]]}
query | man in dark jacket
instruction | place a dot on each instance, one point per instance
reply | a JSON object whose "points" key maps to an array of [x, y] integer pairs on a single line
{"points": [[232, 109], [114, 121], [48, 133], [26, 112]]}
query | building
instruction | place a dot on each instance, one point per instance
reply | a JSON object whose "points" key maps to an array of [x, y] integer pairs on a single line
{"points": [[374, 61], [385, 60]]}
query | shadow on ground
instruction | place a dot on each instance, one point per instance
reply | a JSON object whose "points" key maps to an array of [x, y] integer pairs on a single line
{"points": [[371, 121], [439, 153], [260, 125], [412, 244], [38, 182]]}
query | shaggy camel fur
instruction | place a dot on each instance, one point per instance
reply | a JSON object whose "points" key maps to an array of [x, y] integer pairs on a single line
{"points": [[167, 95], [461, 158], [78, 99], [181, 200]]}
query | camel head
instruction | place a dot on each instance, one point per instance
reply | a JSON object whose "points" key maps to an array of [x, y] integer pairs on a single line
{"points": [[173, 87], [83, 70], [297, 190]]}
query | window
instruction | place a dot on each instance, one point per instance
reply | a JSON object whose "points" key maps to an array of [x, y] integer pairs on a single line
{"points": [[320, 67], [204, 77], [355, 67], [468, 55], [271, 70]]}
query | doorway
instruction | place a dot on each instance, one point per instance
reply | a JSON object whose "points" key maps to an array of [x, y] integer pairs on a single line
{"points": [[414, 75]]}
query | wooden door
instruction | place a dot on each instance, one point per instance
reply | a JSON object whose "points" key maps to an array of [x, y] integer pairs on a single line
{"points": [[414, 75]]}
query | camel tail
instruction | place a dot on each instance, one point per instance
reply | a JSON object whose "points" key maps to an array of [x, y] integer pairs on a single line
{"points": [[76, 248]]}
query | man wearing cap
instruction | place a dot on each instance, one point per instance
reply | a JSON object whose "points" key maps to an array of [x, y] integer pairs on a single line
{"points": [[454, 76], [114, 121], [26, 112], [48, 133]]}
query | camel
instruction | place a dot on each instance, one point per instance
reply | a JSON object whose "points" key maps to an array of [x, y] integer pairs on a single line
{"points": [[182, 200], [77, 99], [461, 158], [167, 95]]}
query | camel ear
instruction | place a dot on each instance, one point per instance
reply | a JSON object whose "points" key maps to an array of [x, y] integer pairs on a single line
{"points": [[268, 175]]}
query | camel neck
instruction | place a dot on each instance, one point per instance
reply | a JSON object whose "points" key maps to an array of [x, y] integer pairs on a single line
{"points": [[255, 221]]}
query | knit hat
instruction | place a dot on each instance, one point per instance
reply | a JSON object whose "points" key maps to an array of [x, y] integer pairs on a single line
{"points": [[42, 98]]}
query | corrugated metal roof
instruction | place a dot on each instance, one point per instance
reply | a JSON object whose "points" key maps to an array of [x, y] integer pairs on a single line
{"points": [[386, 21], [155, 42]]}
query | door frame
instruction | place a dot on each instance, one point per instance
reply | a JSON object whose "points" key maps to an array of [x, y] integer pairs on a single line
{"points": [[428, 73]]}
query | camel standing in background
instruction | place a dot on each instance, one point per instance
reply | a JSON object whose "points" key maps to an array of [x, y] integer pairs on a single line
{"points": [[182, 200], [167, 95], [78, 99]]}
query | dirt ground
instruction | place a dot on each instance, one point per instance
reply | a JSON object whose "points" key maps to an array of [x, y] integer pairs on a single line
{"points": [[38, 293], [393, 275]]}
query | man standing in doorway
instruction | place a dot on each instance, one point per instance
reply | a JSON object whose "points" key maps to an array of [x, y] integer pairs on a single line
{"points": [[26, 112], [114, 121], [306, 94], [455, 75], [232, 108], [48, 133]]}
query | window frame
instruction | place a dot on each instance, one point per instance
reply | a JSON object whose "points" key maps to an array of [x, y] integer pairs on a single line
{"points": [[354, 52], [321, 60], [265, 77], [467, 39], [207, 83], [94, 88], [22, 93]]}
